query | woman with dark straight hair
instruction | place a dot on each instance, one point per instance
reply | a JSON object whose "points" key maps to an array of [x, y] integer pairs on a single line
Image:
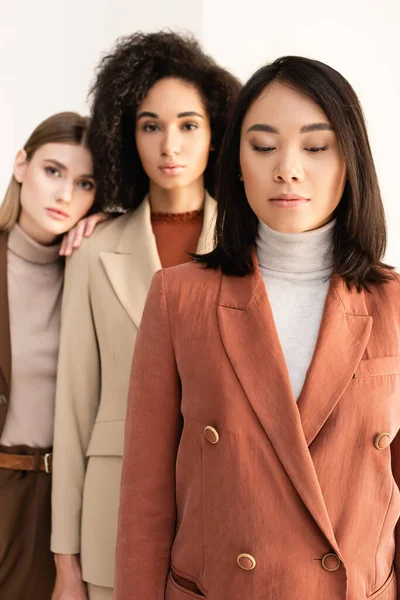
{"points": [[261, 456]]}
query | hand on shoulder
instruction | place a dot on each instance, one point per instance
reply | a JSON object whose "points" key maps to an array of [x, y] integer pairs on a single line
{"points": [[73, 239]]}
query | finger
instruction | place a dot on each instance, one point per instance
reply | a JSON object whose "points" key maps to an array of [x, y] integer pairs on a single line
{"points": [[79, 232], [63, 246], [92, 221], [70, 242]]}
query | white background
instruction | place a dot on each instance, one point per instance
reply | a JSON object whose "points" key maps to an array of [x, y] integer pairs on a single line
{"points": [[48, 51], [50, 48]]}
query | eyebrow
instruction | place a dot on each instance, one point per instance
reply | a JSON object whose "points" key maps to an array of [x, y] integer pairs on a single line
{"points": [[188, 113], [316, 127], [305, 129], [64, 168], [55, 162]]}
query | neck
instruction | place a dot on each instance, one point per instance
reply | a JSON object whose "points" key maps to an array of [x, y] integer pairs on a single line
{"points": [[21, 244], [307, 254], [177, 200], [37, 234]]}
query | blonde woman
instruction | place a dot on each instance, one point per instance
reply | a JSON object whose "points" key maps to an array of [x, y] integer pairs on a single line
{"points": [[52, 188]]}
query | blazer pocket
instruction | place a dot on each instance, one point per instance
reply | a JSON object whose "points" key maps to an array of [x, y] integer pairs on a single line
{"points": [[383, 365], [107, 439], [388, 591], [180, 588]]}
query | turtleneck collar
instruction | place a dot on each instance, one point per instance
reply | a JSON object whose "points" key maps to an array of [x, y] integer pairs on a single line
{"points": [[25, 247], [305, 255]]}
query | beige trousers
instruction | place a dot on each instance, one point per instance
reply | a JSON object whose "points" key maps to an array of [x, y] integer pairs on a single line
{"points": [[96, 592]]}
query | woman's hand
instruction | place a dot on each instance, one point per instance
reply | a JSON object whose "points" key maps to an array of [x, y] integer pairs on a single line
{"points": [[73, 239], [69, 584]]}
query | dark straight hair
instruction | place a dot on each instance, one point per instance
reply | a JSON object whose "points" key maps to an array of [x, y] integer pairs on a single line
{"points": [[359, 237]]}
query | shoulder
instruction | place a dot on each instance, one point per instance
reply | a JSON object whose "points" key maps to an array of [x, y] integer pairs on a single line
{"points": [[104, 239], [191, 274], [107, 234], [385, 296], [190, 283]]}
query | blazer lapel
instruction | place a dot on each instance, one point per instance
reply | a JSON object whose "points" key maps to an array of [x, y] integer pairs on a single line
{"points": [[251, 341], [131, 267], [206, 239], [343, 336], [5, 340]]}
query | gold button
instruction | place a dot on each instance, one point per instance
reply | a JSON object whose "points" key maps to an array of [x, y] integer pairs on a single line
{"points": [[246, 562], [331, 562], [3, 400], [211, 434], [382, 440]]}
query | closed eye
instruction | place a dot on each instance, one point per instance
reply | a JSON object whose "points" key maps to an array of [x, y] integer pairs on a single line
{"points": [[262, 149], [317, 149]]}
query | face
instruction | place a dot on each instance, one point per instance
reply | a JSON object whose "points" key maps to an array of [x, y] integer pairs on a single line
{"points": [[57, 189], [292, 167], [173, 134]]}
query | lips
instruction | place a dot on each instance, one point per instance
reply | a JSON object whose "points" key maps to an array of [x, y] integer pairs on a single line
{"points": [[289, 200], [171, 169], [57, 213]]}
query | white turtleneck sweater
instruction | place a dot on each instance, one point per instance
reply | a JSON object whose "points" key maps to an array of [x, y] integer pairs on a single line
{"points": [[35, 282], [296, 269]]}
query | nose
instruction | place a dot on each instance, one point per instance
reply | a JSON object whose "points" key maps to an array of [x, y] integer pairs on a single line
{"points": [[171, 144], [288, 170], [65, 192]]}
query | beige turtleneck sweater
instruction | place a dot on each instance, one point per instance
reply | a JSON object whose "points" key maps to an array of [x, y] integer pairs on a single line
{"points": [[35, 281]]}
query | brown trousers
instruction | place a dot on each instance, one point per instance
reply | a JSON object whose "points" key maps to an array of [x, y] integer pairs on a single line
{"points": [[27, 569]]}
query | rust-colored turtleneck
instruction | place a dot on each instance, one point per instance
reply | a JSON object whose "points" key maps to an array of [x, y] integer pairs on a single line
{"points": [[176, 235]]}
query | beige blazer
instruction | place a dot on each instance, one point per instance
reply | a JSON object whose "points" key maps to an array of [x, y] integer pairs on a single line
{"points": [[5, 340], [232, 490], [106, 284]]}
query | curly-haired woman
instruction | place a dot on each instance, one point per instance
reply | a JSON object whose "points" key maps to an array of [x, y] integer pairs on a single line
{"points": [[160, 110]]}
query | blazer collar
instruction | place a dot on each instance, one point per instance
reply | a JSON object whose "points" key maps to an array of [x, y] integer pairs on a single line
{"points": [[5, 340], [251, 341], [131, 267]]}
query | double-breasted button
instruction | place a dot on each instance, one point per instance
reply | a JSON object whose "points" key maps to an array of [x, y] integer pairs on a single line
{"points": [[211, 434], [246, 562], [331, 562], [3, 400], [382, 440]]}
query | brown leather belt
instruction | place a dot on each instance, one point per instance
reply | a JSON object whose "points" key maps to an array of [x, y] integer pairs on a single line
{"points": [[27, 462]]}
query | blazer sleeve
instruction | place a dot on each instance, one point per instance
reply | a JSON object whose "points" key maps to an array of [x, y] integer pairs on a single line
{"points": [[77, 400], [147, 512], [395, 450]]}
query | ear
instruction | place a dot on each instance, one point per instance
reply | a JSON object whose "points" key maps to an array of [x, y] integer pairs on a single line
{"points": [[20, 164]]}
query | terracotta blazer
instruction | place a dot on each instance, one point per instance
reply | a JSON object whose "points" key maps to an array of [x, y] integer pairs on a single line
{"points": [[230, 489], [106, 283], [5, 340]]}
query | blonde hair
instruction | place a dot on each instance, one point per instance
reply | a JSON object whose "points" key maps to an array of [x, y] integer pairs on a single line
{"points": [[62, 128]]}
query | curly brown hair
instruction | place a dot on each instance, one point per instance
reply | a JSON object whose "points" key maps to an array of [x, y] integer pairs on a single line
{"points": [[124, 77]]}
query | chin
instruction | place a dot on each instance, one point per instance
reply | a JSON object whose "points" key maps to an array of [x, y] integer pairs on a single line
{"points": [[59, 230], [285, 226]]}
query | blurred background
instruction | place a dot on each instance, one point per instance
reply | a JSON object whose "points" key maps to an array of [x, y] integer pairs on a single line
{"points": [[49, 51]]}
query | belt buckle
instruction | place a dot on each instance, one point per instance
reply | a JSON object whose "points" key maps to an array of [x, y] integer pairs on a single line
{"points": [[47, 462]]}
